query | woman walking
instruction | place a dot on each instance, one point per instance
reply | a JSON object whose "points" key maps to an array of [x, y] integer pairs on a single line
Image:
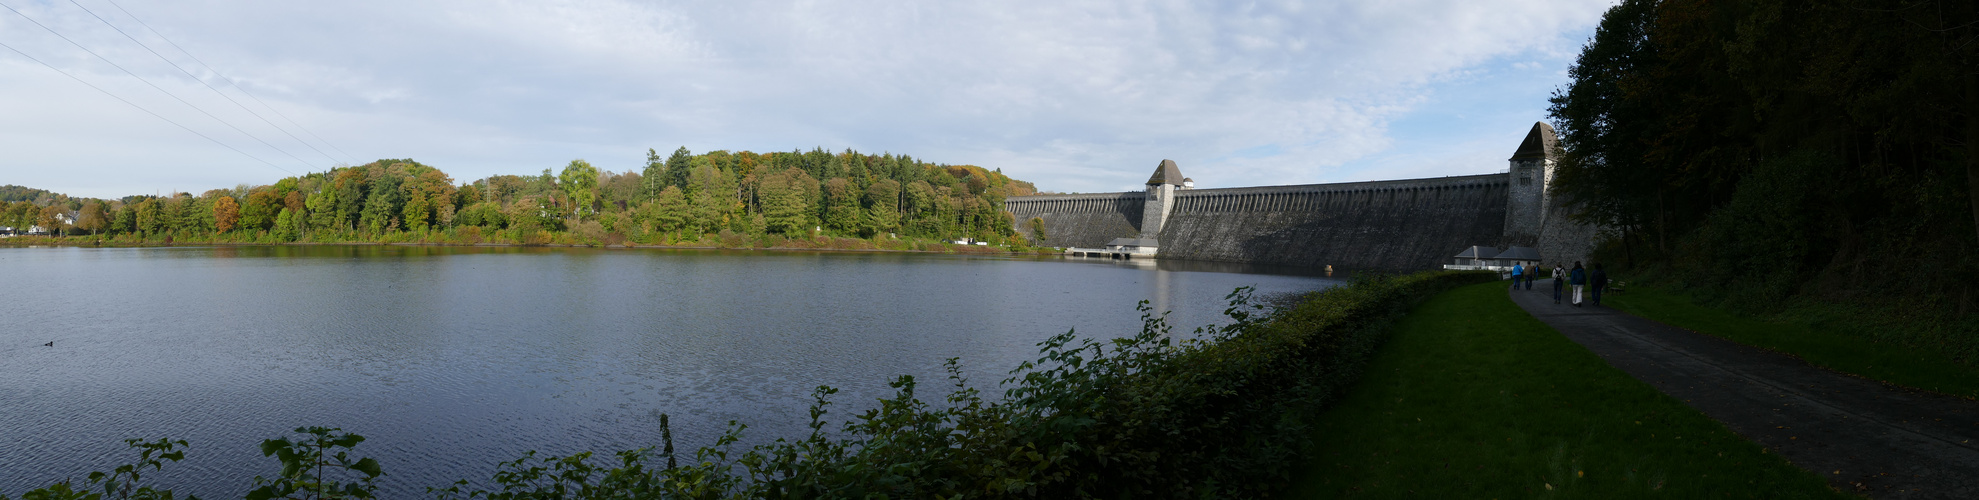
{"points": [[1579, 278]]}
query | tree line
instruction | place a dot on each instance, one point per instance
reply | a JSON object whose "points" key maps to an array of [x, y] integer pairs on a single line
{"points": [[678, 197], [1777, 149]]}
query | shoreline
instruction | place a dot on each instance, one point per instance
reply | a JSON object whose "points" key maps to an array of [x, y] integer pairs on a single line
{"points": [[947, 248]]}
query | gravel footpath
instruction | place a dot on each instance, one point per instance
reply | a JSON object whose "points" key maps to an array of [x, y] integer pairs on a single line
{"points": [[1863, 436]]}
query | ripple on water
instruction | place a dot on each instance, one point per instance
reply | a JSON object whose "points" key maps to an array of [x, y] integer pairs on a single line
{"points": [[451, 360]]}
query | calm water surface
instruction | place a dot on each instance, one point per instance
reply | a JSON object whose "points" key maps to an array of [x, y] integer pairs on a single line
{"points": [[452, 359]]}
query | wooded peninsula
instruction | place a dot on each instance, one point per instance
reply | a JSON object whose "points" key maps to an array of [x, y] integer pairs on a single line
{"points": [[718, 198]]}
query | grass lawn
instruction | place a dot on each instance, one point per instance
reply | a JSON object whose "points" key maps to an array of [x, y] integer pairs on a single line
{"points": [[1887, 362], [1473, 398]]}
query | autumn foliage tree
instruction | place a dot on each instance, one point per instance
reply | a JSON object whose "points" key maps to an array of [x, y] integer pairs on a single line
{"points": [[226, 214]]}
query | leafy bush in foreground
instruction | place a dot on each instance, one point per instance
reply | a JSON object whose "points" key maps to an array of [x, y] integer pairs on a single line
{"points": [[1222, 413]]}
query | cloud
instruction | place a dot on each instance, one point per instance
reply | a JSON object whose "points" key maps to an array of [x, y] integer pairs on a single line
{"points": [[1076, 96]]}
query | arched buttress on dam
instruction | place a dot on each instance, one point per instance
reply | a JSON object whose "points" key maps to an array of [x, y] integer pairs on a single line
{"points": [[1376, 225], [1079, 220], [1386, 224], [1397, 224]]}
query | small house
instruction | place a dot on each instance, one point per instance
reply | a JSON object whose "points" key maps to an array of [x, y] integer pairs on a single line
{"points": [[1479, 257], [1133, 246], [1518, 256]]}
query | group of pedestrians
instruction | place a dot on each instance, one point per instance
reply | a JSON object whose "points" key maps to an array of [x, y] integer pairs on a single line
{"points": [[1578, 278]]}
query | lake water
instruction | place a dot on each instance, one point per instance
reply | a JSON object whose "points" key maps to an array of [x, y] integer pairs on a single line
{"points": [[452, 359]]}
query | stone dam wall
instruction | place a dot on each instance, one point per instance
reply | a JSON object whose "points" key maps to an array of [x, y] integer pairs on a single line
{"points": [[1403, 224], [1079, 220], [1391, 225]]}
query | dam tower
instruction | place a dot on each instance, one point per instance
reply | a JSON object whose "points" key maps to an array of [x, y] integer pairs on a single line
{"points": [[1162, 185], [1533, 166]]}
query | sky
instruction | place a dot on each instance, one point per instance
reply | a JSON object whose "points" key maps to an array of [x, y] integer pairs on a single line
{"points": [[1073, 96]]}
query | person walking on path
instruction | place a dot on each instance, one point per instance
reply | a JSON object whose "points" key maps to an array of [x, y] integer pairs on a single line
{"points": [[1518, 274], [1599, 280], [1557, 282], [1578, 277], [1530, 274]]}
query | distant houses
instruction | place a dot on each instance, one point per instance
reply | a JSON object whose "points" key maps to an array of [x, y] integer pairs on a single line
{"points": [[62, 219]]}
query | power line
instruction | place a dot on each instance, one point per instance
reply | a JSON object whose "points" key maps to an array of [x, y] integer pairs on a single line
{"points": [[141, 108], [189, 74], [153, 85], [230, 81]]}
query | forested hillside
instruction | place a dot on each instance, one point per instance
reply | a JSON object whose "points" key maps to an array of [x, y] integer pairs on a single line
{"points": [[678, 198], [1772, 155]]}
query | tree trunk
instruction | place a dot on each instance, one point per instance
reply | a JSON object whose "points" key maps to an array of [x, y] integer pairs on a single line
{"points": [[1662, 226], [1628, 248], [1972, 178], [1972, 158]]}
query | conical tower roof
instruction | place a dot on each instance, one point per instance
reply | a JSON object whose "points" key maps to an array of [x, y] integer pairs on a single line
{"points": [[1166, 173], [1538, 144]]}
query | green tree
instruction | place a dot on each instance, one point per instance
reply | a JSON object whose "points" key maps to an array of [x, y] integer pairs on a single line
{"points": [[654, 178], [883, 206], [667, 212], [535, 213], [383, 204], [350, 187], [842, 209], [1687, 122], [322, 207], [486, 214], [258, 213], [677, 167], [125, 221], [285, 224], [467, 196], [579, 181], [148, 220], [786, 209], [711, 198]]}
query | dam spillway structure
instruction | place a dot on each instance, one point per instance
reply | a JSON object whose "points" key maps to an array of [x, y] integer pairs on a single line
{"points": [[1402, 224]]}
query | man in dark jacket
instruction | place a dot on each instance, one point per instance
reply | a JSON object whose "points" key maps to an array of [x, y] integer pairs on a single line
{"points": [[1559, 281], [1577, 278], [1599, 279]]}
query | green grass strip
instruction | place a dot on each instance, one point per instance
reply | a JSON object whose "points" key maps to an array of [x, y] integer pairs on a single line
{"points": [[1884, 361], [1473, 398]]}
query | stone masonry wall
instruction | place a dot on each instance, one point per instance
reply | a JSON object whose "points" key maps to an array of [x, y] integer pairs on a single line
{"points": [[1079, 220], [1398, 225], [1563, 241], [1526, 213]]}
